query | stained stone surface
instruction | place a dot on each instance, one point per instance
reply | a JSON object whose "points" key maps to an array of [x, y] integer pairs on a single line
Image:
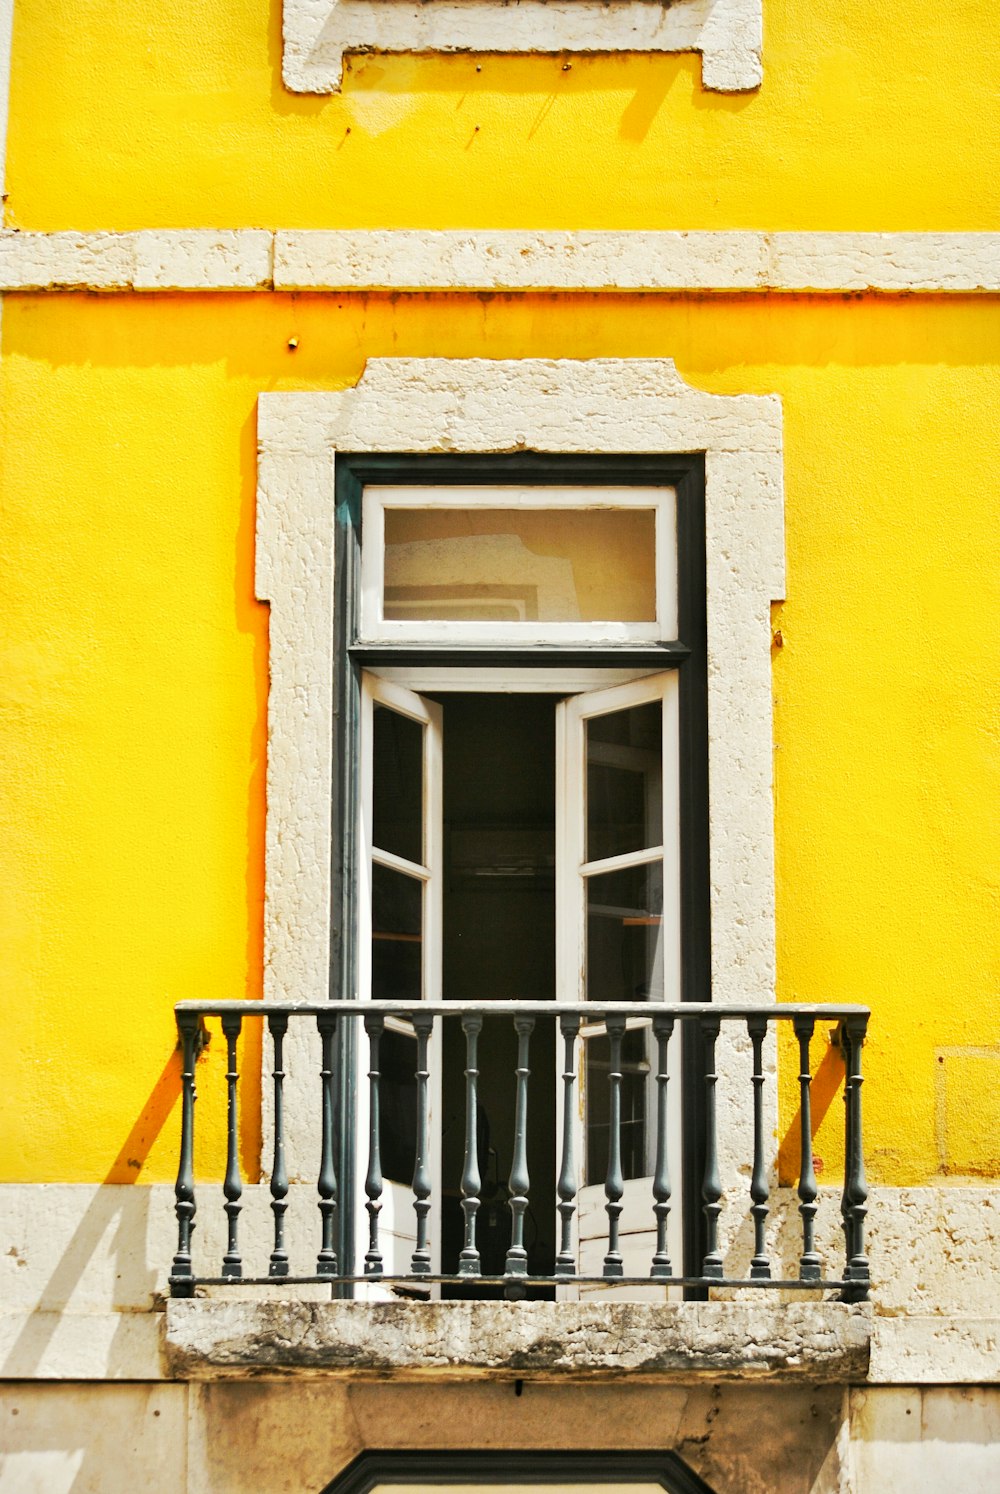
{"points": [[822, 1340]]}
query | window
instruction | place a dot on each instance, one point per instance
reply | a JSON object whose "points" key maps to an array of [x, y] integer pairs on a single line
{"points": [[512, 674], [600, 417]]}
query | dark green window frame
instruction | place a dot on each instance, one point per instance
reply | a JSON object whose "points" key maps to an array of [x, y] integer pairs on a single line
{"points": [[688, 654]]}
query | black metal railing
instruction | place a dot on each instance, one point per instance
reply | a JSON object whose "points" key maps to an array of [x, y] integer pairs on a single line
{"points": [[517, 1274]]}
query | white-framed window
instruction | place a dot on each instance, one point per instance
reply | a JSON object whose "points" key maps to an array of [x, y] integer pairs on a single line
{"points": [[602, 408], [519, 822]]}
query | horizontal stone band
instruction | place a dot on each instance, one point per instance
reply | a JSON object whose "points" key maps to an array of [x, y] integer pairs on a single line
{"points": [[503, 261]]}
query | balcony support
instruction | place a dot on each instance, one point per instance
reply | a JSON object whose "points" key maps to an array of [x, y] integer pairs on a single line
{"points": [[810, 1266], [182, 1272], [326, 1261], [855, 1201], [278, 1025], [760, 1266], [569, 1026], [711, 1188], [661, 1268], [517, 1256], [468, 1261], [420, 1264], [232, 1264], [374, 1026]]}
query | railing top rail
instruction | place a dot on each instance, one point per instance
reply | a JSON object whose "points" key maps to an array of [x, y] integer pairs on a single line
{"points": [[681, 1011]]}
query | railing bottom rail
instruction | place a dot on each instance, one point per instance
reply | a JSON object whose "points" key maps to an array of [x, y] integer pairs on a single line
{"points": [[613, 1284]]}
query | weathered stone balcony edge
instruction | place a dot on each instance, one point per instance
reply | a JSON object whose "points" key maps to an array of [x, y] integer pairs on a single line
{"points": [[820, 1341]]}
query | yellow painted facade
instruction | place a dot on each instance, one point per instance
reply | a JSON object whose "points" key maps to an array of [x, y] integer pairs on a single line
{"points": [[870, 117], [135, 656], [136, 672]]}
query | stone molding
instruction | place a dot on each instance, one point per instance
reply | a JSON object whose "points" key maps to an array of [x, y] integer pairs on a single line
{"points": [[317, 33], [483, 260], [481, 406], [615, 406], [821, 1341]]}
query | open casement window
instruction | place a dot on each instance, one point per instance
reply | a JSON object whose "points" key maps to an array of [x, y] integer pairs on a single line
{"points": [[531, 781], [399, 938], [619, 924]]}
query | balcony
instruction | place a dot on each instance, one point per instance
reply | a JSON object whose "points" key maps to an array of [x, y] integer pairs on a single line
{"points": [[640, 1147]]}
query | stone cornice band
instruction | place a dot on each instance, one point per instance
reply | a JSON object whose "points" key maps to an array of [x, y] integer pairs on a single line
{"points": [[481, 260]]}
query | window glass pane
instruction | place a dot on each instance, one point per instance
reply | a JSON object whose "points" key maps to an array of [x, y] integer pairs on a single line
{"points": [[397, 784], [625, 781], [635, 1067], [397, 923], [520, 565], [624, 935]]}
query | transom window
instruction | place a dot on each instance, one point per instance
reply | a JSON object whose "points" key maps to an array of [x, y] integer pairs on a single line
{"points": [[513, 563]]}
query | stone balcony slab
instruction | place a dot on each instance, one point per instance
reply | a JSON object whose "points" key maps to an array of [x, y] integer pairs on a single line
{"points": [[820, 1341]]}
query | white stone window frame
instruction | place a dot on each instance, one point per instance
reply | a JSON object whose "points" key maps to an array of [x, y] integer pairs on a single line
{"points": [[599, 406], [318, 33]]}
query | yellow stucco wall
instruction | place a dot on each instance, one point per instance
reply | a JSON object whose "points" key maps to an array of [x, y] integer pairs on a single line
{"points": [[135, 677], [128, 115], [135, 658]]}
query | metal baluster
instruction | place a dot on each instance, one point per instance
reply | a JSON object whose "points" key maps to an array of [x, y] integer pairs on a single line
{"points": [[232, 1264], [809, 1265], [614, 1183], [326, 1261], [857, 1190], [845, 1198], [760, 1266], [374, 1026], [420, 1263], [182, 1271], [278, 1025], [516, 1263], [662, 1030], [711, 1188], [468, 1261], [569, 1026]]}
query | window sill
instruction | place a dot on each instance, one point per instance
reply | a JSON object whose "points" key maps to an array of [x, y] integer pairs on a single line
{"points": [[822, 1341], [317, 33]]}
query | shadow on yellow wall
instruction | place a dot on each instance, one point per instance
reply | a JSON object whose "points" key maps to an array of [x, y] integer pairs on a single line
{"points": [[828, 1082]]}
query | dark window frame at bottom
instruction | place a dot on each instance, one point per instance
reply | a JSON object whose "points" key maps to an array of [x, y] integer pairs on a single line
{"points": [[685, 472], [493, 1466]]}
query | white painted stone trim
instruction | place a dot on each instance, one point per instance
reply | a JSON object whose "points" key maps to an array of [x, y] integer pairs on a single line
{"points": [[6, 30], [407, 259], [477, 405], [421, 260], [148, 260], [317, 33], [6, 37]]}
